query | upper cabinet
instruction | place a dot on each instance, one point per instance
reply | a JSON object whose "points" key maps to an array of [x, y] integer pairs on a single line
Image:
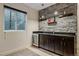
{"points": [[71, 9], [64, 9]]}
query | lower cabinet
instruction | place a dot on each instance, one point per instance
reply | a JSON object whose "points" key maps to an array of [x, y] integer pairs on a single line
{"points": [[59, 48], [51, 43], [44, 43], [59, 44], [69, 46]]}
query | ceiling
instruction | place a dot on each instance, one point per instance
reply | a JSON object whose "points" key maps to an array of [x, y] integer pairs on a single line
{"points": [[38, 6]]}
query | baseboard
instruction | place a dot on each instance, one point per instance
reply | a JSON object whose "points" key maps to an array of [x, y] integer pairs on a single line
{"points": [[4, 53]]}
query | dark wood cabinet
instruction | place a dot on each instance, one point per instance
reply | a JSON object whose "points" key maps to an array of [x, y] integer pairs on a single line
{"points": [[41, 41], [47, 42], [69, 46], [71, 9], [51, 43], [44, 41], [61, 45], [61, 8]]}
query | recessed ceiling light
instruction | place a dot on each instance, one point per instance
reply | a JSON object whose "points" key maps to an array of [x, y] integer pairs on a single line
{"points": [[56, 13]]}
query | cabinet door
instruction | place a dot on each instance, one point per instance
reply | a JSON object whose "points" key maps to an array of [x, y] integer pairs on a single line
{"points": [[44, 41], [71, 9], [61, 47], [51, 43], [69, 46], [41, 41], [58, 45]]}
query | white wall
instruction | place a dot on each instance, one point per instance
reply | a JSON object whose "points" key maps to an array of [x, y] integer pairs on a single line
{"points": [[14, 40], [78, 29]]}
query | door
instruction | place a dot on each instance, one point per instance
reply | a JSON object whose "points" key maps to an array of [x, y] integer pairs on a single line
{"points": [[41, 41], [44, 41], [51, 43], [59, 45], [69, 46]]}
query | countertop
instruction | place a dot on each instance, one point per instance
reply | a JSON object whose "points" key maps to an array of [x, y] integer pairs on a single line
{"points": [[56, 33]]}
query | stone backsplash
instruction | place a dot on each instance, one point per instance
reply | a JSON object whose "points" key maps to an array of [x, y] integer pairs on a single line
{"points": [[65, 24]]}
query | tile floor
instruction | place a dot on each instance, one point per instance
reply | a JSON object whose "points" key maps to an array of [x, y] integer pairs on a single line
{"points": [[25, 52], [32, 51], [42, 52]]}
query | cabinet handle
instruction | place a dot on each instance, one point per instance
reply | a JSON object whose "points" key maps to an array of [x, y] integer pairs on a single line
{"points": [[64, 44]]}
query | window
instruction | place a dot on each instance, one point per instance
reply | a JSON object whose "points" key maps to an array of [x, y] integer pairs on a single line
{"points": [[14, 20]]}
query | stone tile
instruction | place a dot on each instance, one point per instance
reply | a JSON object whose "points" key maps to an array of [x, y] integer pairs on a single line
{"points": [[25, 52]]}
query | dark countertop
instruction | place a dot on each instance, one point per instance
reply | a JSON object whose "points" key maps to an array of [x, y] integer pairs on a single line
{"points": [[56, 33]]}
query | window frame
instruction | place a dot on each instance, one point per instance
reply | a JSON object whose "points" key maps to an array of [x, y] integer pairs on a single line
{"points": [[15, 30]]}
